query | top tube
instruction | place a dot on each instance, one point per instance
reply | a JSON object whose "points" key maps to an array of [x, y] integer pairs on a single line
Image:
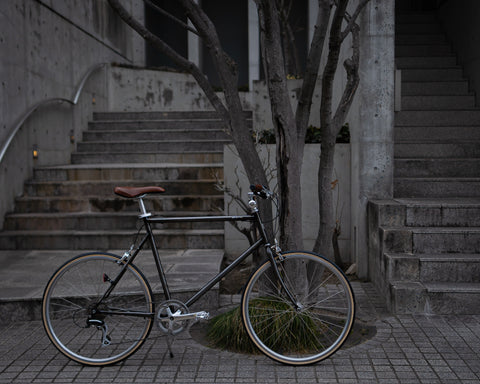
{"points": [[160, 219]]}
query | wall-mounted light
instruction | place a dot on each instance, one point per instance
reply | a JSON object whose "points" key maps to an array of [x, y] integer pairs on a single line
{"points": [[35, 152], [72, 137]]}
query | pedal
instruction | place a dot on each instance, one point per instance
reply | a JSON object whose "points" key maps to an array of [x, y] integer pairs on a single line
{"points": [[202, 315]]}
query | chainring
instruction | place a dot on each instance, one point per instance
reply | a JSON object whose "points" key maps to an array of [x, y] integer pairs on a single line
{"points": [[165, 320]]}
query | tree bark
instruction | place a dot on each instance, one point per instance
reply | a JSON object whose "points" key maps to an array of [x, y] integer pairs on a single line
{"points": [[290, 144], [332, 123]]}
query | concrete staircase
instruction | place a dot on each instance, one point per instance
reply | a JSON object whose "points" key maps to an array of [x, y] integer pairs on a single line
{"points": [[73, 206], [425, 243]]}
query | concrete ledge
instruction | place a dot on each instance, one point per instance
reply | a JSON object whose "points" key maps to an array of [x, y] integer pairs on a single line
{"points": [[26, 273]]}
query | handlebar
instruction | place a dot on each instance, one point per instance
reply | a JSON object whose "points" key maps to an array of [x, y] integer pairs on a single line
{"points": [[261, 191]]}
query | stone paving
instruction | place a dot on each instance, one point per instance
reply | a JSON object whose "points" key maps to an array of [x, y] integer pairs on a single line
{"points": [[405, 349]]}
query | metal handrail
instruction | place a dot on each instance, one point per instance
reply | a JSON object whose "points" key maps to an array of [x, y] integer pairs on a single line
{"points": [[42, 103]]}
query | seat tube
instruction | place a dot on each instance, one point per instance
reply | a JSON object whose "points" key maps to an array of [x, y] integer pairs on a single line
{"points": [[156, 257]]}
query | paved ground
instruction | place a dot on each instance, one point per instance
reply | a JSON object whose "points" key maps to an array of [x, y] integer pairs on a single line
{"points": [[405, 349]]}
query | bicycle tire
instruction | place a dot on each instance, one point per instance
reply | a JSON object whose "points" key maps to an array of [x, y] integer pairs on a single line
{"points": [[67, 303], [313, 332]]}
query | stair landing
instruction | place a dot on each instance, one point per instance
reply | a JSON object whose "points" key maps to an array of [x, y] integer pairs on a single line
{"points": [[24, 275]]}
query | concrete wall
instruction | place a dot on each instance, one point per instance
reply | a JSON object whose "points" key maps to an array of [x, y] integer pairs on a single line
{"points": [[372, 138], [460, 22], [45, 49], [136, 89], [132, 89], [236, 181]]}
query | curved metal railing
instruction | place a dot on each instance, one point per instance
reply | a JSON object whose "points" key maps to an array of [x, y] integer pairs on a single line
{"points": [[42, 103]]}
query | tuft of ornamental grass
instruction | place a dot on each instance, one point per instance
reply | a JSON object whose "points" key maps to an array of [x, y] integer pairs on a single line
{"points": [[226, 331], [300, 333]]}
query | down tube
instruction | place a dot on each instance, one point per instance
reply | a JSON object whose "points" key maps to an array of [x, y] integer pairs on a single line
{"points": [[223, 273]]}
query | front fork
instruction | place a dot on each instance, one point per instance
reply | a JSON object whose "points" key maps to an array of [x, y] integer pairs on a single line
{"points": [[275, 256]]}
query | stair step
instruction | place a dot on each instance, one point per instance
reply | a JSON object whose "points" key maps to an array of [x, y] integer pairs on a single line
{"points": [[404, 39], [155, 135], [435, 298], [442, 212], [427, 212], [152, 146], [431, 27], [407, 62], [412, 134], [156, 125], [403, 18], [450, 268], [159, 203], [418, 103], [449, 167], [82, 221], [417, 50], [421, 240], [182, 115], [432, 75], [437, 149], [438, 118], [105, 188], [429, 235], [436, 187], [434, 268], [438, 88], [142, 171], [453, 298], [214, 156], [104, 240]]}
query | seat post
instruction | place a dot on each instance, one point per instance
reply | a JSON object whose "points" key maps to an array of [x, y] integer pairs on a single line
{"points": [[143, 211]]}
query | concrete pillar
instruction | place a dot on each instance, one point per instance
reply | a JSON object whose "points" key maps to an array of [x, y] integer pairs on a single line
{"points": [[194, 51], [254, 61], [138, 43], [312, 18], [372, 134]]}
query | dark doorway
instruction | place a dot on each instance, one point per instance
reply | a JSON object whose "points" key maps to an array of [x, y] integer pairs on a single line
{"points": [[171, 32]]}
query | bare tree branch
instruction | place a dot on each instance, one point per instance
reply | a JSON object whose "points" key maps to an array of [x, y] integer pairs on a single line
{"points": [[353, 79], [178, 59], [226, 68], [302, 113], [170, 16], [331, 67], [352, 19], [289, 46]]}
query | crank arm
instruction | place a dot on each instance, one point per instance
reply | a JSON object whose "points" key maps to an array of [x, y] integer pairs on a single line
{"points": [[202, 315]]}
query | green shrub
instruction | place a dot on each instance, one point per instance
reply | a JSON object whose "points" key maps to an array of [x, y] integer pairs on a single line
{"points": [[226, 331]]}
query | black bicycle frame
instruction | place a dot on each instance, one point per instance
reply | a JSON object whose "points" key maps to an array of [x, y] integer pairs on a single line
{"points": [[148, 220], [252, 218]]}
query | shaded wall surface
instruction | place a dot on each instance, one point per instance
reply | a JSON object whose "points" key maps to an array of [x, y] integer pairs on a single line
{"points": [[46, 47]]}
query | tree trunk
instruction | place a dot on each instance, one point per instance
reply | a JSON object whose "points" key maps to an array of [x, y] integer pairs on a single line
{"points": [[332, 123], [323, 243], [290, 144]]}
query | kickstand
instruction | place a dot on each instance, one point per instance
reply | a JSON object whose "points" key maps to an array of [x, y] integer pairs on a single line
{"points": [[170, 340]]}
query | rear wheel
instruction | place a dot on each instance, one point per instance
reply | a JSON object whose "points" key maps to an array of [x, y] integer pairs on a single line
{"points": [[313, 329], [92, 333]]}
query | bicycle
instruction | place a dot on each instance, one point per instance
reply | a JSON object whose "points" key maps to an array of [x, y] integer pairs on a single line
{"points": [[98, 308]]}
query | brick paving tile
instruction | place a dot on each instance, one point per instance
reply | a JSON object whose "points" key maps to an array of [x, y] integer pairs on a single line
{"points": [[405, 349]]}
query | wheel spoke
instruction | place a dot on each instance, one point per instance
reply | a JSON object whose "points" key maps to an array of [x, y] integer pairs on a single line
{"points": [[310, 331], [93, 337]]}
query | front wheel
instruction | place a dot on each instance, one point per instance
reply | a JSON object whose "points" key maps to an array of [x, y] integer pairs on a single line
{"points": [[87, 328], [315, 326]]}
